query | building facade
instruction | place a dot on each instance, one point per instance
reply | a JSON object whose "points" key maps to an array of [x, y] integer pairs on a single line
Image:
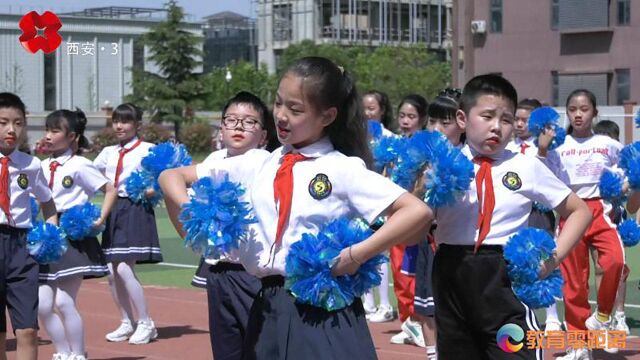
{"points": [[281, 23], [91, 66], [548, 48], [229, 37]]}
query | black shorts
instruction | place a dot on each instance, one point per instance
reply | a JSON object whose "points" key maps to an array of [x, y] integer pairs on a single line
{"points": [[423, 300], [474, 300], [18, 280]]}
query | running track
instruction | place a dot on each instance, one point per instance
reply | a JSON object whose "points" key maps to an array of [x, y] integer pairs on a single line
{"points": [[181, 318]]}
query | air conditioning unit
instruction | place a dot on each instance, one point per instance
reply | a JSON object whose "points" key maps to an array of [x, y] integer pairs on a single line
{"points": [[478, 27]]}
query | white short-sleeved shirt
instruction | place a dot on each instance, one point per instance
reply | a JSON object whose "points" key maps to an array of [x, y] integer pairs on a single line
{"points": [[517, 183], [25, 178], [584, 160], [216, 155], [552, 160], [107, 162], [75, 180], [328, 186]]}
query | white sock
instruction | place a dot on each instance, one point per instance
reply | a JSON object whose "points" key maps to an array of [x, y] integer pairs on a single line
{"points": [[552, 313], [432, 353], [119, 294], [71, 319], [50, 319], [369, 302], [384, 286], [134, 288]]}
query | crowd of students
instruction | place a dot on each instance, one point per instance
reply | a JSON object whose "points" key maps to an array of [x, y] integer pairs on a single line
{"points": [[446, 264]]}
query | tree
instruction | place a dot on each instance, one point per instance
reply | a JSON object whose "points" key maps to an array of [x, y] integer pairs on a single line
{"points": [[171, 93], [343, 56], [244, 77]]}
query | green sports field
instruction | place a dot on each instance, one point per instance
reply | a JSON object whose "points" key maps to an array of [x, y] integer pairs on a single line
{"points": [[175, 253]]}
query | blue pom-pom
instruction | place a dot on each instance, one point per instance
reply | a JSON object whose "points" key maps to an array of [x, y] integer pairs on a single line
{"points": [[630, 163], [546, 118], [308, 266], [610, 185], [46, 242], [414, 156], [215, 219], [138, 183], [385, 151], [167, 155], [538, 206], [541, 293], [35, 210], [77, 222], [524, 253], [629, 232], [449, 176], [375, 129]]}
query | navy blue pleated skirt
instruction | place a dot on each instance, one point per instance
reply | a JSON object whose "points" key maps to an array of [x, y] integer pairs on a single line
{"points": [[281, 329], [131, 234], [83, 258]]}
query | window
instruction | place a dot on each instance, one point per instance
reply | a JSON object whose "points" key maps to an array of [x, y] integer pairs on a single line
{"points": [[496, 16], [555, 14], [138, 55], [50, 81], [624, 12], [282, 22], [623, 85]]}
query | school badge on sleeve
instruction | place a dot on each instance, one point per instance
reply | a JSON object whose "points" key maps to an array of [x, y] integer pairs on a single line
{"points": [[23, 181], [67, 182], [320, 187], [511, 181]]}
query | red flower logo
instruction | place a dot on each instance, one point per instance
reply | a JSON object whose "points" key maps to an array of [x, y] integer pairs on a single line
{"points": [[31, 22]]}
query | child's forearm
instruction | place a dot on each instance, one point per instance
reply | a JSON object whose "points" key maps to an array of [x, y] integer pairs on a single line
{"points": [[49, 212], [110, 195], [409, 219], [578, 218], [173, 183], [633, 203]]}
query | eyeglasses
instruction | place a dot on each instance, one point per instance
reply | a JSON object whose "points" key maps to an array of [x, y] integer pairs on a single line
{"points": [[247, 123]]}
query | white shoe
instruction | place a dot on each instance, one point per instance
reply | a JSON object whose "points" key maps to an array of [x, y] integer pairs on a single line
{"points": [[576, 354], [369, 312], [593, 323], [619, 323], [145, 332], [401, 338], [384, 314], [122, 333], [60, 356], [73, 356], [414, 330], [552, 325]]}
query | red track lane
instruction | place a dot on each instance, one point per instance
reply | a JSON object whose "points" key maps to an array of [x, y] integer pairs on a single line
{"points": [[181, 318]]}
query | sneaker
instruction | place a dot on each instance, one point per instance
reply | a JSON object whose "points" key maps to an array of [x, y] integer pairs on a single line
{"points": [[73, 356], [414, 330], [619, 323], [552, 325], [369, 312], [576, 354], [145, 332], [384, 314], [122, 333], [593, 323], [60, 356], [401, 338]]}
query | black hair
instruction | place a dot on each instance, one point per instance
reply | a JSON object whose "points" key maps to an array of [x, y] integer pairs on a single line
{"points": [[418, 102], [609, 128], [127, 112], [266, 116], [385, 107], [69, 121], [488, 84], [579, 92], [443, 107], [11, 100], [529, 104], [326, 85]]}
